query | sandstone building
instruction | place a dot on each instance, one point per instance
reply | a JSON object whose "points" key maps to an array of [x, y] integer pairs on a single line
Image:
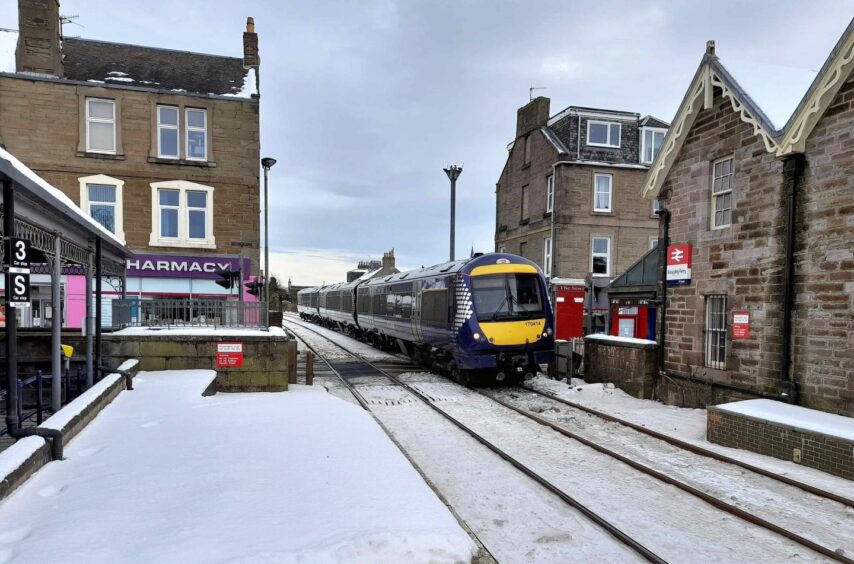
{"points": [[160, 146], [767, 208], [569, 199]]}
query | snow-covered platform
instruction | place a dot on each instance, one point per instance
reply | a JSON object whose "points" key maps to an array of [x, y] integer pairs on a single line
{"points": [[813, 438], [164, 474]]}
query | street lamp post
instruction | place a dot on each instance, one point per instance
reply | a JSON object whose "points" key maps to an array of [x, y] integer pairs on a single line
{"points": [[453, 173], [267, 163]]}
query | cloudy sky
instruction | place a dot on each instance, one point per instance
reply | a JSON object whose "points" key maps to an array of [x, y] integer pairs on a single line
{"points": [[364, 102]]}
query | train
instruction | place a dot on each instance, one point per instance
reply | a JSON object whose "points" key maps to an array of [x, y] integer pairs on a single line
{"points": [[483, 319]]}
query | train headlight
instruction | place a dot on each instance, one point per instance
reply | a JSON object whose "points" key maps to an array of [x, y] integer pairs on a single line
{"points": [[548, 332], [476, 336]]}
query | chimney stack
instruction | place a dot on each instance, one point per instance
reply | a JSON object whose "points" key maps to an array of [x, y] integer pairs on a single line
{"points": [[39, 36], [251, 59], [388, 261], [533, 115]]}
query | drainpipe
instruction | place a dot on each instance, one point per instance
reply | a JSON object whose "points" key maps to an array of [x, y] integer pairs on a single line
{"points": [[661, 299], [13, 424], [793, 170], [552, 261]]}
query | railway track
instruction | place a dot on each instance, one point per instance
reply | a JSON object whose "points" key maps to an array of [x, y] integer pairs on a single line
{"points": [[350, 374], [717, 502]]}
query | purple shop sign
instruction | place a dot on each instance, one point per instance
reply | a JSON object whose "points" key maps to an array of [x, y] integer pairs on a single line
{"points": [[177, 266]]}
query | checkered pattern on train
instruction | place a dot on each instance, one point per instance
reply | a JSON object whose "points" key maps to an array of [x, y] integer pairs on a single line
{"points": [[464, 305]]}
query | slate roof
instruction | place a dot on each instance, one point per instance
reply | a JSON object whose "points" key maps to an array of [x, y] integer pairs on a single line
{"points": [[651, 121], [150, 67]]}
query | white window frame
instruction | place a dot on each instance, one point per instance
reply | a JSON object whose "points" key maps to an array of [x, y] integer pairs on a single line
{"points": [[653, 243], [654, 130], [609, 143], [550, 193], [90, 119], [188, 129], [183, 239], [610, 178], [85, 181], [547, 256], [607, 256], [656, 205], [501, 249], [717, 195], [715, 327], [176, 127]]}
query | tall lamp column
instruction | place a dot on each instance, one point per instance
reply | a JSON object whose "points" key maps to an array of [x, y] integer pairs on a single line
{"points": [[267, 163], [453, 173]]}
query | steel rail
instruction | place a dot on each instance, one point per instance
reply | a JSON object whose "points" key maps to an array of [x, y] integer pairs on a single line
{"points": [[583, 509], [700, 450], [710, 499]]}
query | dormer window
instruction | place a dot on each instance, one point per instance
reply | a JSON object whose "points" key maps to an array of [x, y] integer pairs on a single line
{"points": [[603, 134], [651, 140]]}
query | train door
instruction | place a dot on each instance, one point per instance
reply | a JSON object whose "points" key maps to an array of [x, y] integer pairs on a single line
{"points": [[417, 288], [569, 311]]}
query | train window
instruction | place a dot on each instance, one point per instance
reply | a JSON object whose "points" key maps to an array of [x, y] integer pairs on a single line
{"points": [[348, 302], [434, 305], [405, 306], [378, 302], [363, 301]]}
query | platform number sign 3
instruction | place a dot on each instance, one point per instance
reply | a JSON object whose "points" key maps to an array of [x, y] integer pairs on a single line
{"points": [[17, 268]]}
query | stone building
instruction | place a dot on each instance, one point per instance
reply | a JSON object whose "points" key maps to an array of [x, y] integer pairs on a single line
{"points": [[161, 147], [767, 208], [374, 268], [569, 199]]}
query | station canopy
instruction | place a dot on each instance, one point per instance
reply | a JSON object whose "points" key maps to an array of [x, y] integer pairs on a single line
{"points": [[43, 213]]}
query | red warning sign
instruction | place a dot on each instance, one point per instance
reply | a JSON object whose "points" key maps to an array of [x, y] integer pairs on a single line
{"points": [[229, 355], [740, 325]]}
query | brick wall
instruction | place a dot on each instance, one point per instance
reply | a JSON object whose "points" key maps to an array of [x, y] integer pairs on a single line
{"points": [[41, 126], [823, 452], [743, 261], [823, 319], [629, 366]]}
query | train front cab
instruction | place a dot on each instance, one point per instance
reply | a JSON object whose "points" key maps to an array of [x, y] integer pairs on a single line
{"points": [[510, 330]]}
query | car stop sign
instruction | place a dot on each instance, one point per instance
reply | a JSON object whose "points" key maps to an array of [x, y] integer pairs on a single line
{"points": [[17, 267]]}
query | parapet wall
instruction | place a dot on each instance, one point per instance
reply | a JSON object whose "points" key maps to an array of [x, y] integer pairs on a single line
{"points": [[268, 357], [629, 364]]}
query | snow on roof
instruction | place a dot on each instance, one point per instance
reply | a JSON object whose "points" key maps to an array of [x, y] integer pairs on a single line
{"points": [[8, 43], [794, 416], [617, 339], [776, 90], [64, 200], [199, 332], [168, 475]]}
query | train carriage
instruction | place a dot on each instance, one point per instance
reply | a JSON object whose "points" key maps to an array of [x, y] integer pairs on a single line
{"points": [[483, 318]]}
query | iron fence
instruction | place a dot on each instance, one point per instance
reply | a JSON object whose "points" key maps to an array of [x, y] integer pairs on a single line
{"points": [[188, 312]]}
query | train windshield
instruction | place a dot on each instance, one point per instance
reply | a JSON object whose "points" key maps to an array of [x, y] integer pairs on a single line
{"points": [[507, 297]]}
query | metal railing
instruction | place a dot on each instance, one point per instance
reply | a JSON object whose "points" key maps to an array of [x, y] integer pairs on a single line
{"points": [[188, 312]]}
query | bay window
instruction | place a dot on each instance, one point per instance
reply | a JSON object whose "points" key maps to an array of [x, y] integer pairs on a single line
{"points": [[651, 140]]}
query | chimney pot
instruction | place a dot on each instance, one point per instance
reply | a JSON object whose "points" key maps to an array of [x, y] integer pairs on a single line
{"points": [[250, 25], [710, 47]]}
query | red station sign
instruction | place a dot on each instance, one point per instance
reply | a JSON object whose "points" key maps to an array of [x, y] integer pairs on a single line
{"points": [[740, 325], [679, 264], [229, 355]]}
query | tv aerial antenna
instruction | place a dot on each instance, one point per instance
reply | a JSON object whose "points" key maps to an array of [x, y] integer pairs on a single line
{"points": [[531, 91]]}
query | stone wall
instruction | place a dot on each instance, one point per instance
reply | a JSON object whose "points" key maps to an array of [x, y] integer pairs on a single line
{"points": [[41, 125], [629, 365], [267, 360], [823, 452], [744, 261], [823, 318]]}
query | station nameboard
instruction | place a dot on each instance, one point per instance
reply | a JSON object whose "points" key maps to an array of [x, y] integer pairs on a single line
{"points": [[679, 264]]}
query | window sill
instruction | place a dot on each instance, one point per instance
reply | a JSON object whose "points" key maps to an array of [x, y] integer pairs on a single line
{"points": [[525, 221], [547, 214], [601, 212], [601, 146], [182, 244], [526, 165], [108, 156], [184, 162], [599, 275]]}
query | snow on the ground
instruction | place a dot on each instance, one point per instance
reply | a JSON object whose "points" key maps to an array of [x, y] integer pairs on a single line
{"points": [[64, 416], [196, 331], [683, 423], [354, 345], [516, 519], [794, 416], [166, 475], [17, 454], [674, 524]]}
